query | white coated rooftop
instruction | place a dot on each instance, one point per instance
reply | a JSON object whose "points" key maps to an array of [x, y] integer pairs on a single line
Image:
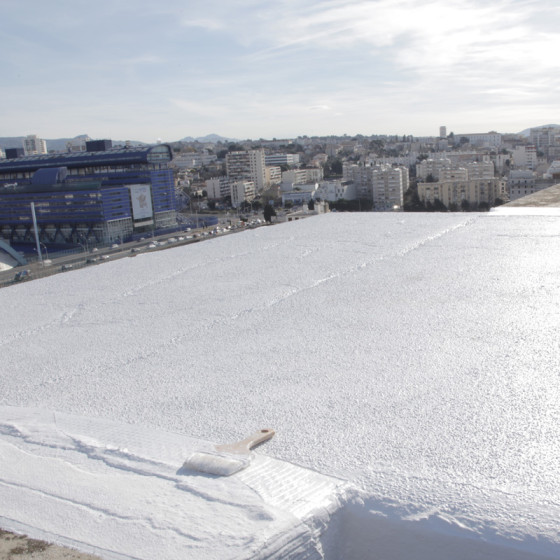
{"points": [[409, 363]]}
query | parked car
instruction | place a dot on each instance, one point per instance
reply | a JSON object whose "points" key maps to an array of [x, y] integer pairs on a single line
{"points": [[66, 267]]}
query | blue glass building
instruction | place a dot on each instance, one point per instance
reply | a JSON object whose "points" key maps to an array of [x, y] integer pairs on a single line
{"points": [[93, 196]]}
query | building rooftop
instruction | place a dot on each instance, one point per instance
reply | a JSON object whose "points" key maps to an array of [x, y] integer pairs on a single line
{"points": [[407, 362], [161, 152]]}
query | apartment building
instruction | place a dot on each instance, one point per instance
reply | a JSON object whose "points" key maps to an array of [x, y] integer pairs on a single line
{"points": [[301, 177], [458, 185], [525, 157], [432, 167], [34, 146], [334, 190], [483, 140], [282, 159], [218, 187], [273, 175], [242, 191], [388, 186], [247, 166], [384, 184], [520, 183]]}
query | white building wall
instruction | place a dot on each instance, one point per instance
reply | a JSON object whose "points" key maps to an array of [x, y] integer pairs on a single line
{"points": [[247, 166], [242, 191], [525, 156], [33, 145], [218, 187]]}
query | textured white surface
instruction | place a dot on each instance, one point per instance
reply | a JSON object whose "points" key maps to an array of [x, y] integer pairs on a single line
{"points": [[416, 355]]}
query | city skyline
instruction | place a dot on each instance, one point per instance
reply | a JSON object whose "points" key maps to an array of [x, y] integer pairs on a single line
{"points": [[255, 70]]}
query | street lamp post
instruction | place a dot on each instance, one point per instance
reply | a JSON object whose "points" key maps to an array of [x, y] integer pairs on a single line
{"points": [[45, 247]]}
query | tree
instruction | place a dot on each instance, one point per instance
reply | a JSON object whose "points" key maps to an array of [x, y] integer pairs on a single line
{"points": [[412, 202], [268, 212]]}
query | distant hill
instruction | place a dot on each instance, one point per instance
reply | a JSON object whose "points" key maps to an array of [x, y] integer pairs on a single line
{"points": [[527, 131]]}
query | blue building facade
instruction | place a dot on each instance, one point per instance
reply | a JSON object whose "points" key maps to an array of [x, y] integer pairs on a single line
{"points": [[95, 197]]}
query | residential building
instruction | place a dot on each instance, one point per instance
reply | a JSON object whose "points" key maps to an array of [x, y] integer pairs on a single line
{"points": [[282, 159], [192, 160], [218, 187], [384, 184], [334, 190], [525, 157], [33, 145], [485, 140], [389, 185], [457, 185], [273, 175], [432, 167], [77, 144], [520, 183], [301, 176], [247, 166], [242, 191]]}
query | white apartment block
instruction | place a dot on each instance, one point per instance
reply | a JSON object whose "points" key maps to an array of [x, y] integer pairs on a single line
{"points": [[384, 184], [273, 175], [543, 138], [77, 144], [389, 185], [33, 145], [242, 191], [193, 160], [247, 166], [282, 159], [484, 140], [304, 176], [432, 167], [218, 188], [407, 160], [332, 191], [525, 157]]}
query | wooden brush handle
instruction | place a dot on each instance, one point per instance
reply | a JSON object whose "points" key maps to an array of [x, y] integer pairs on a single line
{"points": [[245, 445]]}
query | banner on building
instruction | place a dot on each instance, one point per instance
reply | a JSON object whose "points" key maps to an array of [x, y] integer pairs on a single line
{"points": [[141, 196]]}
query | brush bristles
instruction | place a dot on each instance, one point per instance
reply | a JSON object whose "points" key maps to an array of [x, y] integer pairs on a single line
{"points": [[220, 465]]}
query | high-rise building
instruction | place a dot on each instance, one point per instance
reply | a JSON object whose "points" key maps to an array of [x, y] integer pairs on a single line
{"points": [[247, 166], [33, 145], [383, 183], [442, 132]]}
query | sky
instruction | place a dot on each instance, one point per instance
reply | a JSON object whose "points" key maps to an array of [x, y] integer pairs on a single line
{"points": [[258, 69]]}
